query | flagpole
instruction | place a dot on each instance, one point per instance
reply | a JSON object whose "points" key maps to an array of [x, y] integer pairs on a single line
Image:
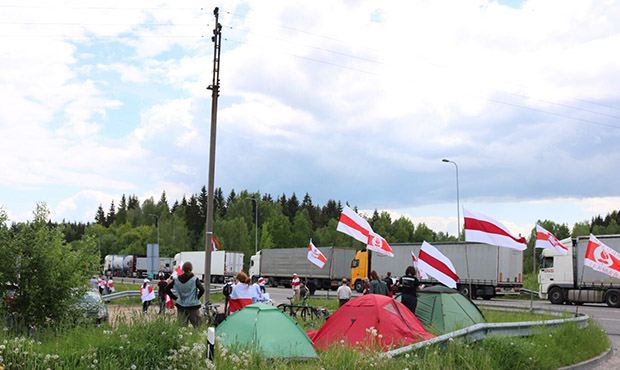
{"points": [[331, 261], [580, 283], [534, 272]]}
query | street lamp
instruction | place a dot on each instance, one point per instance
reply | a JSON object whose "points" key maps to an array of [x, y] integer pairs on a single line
{"points": [[157, 222], [458, 221], [255, 223], [458, 206]]}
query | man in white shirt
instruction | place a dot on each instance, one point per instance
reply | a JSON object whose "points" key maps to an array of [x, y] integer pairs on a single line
{"points": [[344, 292]]}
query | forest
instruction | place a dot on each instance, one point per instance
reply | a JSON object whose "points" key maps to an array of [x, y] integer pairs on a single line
{"points": [[285, 221]]}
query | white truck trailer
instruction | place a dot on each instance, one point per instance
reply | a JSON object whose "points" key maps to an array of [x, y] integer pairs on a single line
{"points": [[224, 264], [492, 269], [278, 265], [563, 279]]}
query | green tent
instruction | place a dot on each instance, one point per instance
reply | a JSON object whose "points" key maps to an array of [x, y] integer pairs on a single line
{"points": [[442, 310], [267, 330]]}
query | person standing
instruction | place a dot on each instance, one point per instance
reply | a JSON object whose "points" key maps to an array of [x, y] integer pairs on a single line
{"points": [[409, 285], [344, 293], [261, 284], [110, 285], [189, 290], [161, 293], [296, 285], [376, 285], [389, 282], [100, 284], [146, 295]]}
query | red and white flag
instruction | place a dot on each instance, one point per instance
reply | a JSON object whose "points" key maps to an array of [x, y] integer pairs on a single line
{"points": [[423, 274], [315, 256], [215, 244], [356, 226], [602, 258], [178, 271], [544, 239], [438, 266], [483, 229]]}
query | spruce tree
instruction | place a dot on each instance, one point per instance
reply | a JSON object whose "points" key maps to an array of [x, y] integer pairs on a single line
{"points": [[100, 216]]}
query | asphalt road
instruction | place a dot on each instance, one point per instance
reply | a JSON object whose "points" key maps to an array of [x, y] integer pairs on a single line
{"points": [[608, 318]]}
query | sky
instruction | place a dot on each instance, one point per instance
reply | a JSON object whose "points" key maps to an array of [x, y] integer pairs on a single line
{"points": [[357, 101]]}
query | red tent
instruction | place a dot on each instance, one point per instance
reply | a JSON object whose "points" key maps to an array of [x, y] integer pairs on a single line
{"points": [[374, 320]]}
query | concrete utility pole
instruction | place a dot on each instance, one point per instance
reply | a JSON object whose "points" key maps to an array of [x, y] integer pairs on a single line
{"points": [[215, 93]]}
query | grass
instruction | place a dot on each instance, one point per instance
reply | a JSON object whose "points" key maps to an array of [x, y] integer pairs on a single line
{"points": [[505, 316], [161, 343]]}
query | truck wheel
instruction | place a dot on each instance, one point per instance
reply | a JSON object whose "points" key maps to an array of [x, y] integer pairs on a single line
{"points": [[359, 286], [612, 298], [464, 290], [556, 295]]}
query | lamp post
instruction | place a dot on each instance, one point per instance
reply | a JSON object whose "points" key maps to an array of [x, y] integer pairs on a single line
{"points": [[255, 223], [458, 206], [458, 221], [157, 223]]}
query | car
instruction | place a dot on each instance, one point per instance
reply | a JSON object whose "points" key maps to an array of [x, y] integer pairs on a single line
{"points": [[93, 307]]}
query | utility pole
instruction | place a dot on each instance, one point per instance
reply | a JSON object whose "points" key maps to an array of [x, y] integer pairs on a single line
{"points": [[215, 93]]}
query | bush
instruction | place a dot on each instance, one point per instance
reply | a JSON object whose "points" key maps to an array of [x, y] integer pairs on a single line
{"points": [[50, 275]]}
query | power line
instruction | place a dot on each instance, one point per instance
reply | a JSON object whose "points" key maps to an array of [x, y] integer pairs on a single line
{"points": [[554, 114], [564, 105]]}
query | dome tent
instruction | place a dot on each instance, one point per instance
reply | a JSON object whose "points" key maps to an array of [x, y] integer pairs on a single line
{"points": [[268, 331], [443, 310], [394, 325]]}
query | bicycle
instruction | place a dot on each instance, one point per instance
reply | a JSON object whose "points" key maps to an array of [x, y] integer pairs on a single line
{"points": [[304, 310], [212, 315]]}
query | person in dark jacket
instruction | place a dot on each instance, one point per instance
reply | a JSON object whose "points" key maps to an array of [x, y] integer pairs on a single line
{"points": [[409, 285], [376, 285], [188, 289], [389, 282], [161, 292]]}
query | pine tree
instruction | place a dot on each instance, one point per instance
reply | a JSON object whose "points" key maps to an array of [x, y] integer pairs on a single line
{"points": [[100, 216], [219, 203], [292, 205], [121, 213], [202, 201], [231, 198], [111, 215], [133, 203]]}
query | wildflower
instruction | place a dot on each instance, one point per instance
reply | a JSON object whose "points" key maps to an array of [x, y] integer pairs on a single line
{"points": [[341, 341], [95, 361], [406, 355], [380, 336], [132, 367]]}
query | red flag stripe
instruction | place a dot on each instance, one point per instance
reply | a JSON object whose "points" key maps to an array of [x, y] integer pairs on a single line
{"points": [[352, 224], [488, 227], [437, 264], [547, 237]]}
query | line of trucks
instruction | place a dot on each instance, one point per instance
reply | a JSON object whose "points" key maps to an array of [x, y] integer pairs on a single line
{"points": [[492, 270]]}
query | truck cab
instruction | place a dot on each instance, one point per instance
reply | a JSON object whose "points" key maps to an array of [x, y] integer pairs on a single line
{"points": [[556, 270], [255, 266], [359, 270]]}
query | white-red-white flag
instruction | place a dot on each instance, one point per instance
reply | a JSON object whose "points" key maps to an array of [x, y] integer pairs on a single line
{"points": [[178, 271], [483, 229], [354, 225], [423, 274], [215, 244], [315, 256], [438, 266], [544, 239], [602, 258]]}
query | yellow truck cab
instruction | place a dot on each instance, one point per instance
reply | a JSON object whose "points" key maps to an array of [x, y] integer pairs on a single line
{"points": [[359, 269]]}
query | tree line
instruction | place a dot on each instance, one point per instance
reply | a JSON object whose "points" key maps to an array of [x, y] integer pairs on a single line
{"points": [[126, 226]]}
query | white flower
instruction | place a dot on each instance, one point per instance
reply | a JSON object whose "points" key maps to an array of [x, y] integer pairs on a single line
{"points": [[132, 367], [406, 355]]}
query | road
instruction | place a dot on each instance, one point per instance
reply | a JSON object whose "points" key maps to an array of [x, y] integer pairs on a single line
{"points": [[608, 318]]}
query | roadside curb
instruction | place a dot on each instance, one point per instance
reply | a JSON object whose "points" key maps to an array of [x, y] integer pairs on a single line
{"points": [[591, 363]]}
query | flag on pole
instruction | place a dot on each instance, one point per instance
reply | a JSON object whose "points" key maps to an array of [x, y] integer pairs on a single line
{"points": [[423, 274], [436, 265], [178, 271], [215, 244], [483, 229], [602, 258], [315, 256], [356, 226], [544, 239]]}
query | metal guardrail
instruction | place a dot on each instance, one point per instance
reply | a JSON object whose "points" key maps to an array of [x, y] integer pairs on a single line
{"points": [[136, 293], [480, 331]]}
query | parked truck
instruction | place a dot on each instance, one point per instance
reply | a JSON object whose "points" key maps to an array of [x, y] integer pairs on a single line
{"points": [[223, 263], [492, 269], [563, 278], [132, 266], [278, 265]]}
